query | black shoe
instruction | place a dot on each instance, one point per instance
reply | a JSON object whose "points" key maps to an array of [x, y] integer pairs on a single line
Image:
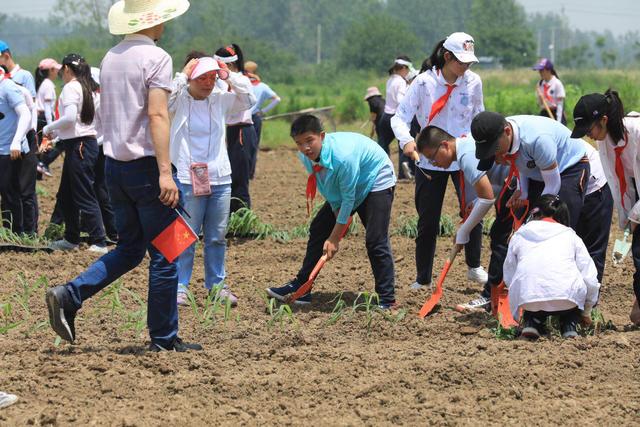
{"points": [[533, 327], [62, 312], [287, 289], [178, 345], [569, 329]]}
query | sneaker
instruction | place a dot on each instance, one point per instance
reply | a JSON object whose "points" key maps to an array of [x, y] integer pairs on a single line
{"points": [[62, 312], [178, 346], [388, 306], [417, 285], [225, 293], [63, 245], [533, 328], [98, 249], [7, 399], [288, 288], [182, 298], [569, 329], [478, 304], [477, 274], [43, 169]]}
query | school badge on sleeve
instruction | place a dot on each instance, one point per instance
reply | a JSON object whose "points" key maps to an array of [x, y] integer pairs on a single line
{"points": [[175, 239]]}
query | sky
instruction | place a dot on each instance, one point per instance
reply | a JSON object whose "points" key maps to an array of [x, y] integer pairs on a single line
{"points": [[618, 16]]}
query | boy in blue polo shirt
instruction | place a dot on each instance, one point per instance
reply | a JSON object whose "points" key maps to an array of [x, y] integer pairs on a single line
{"points": [[542, 153], [18, 75], [481, 190], [353, 174]]}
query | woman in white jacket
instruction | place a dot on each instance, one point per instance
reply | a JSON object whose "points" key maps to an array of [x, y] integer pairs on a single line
{"points": [[198, 109], [602, 118], [548, 271]]}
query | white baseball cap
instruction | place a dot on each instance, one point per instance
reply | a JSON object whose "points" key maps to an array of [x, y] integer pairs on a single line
{"points": [[462, 46]]}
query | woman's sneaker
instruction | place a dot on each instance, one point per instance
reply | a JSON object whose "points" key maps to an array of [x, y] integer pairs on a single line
{"points": [[477, 274], [177, 345], [533, 328], [569, 329], [226, 294], [99, 249]]}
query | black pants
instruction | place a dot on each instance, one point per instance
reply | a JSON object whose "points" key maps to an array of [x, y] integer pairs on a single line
{"points": [[102, 194], [241, 146], [544, 113], [594, 225], [565, 316], [429, 197], [386, 137], [500, 233], [635, 252], [257, 126], [77, 191], [10, 194], [375, 214], [572, 189]]}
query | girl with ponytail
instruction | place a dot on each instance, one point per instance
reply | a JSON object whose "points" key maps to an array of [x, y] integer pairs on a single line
{"points": [[549, 271], [77, 133], [602, 118]]}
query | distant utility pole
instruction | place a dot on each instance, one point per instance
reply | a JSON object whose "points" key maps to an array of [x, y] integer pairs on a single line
{"points": [[552, 47], [319, 45]]}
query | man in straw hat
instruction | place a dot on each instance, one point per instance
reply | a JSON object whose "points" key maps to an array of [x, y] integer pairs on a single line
{"points": [[135, 85]]}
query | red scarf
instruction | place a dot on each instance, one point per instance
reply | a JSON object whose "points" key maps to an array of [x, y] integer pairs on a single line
{"points": [[548, 219], [620, 169], [440, 103], [312, 186]]}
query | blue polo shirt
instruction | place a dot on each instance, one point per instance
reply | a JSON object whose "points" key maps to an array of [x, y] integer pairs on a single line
{"points": [[24, 78], [352, 166], [543, 141], [10, 98], [263, 92], [468, 163]]}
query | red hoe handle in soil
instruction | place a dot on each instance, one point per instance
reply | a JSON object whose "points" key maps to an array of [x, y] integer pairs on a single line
{"points": [[306, 286], [437, 294]]}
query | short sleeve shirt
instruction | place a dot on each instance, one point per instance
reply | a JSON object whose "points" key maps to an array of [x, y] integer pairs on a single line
{"points": [[128, 71], [10, 98], [46, 95], [468, 163], [376, 105], [544, 141], [24, 78]]}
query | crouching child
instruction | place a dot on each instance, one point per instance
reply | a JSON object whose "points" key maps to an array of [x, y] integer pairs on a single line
{"points": [[548, 271], [353, 174]]}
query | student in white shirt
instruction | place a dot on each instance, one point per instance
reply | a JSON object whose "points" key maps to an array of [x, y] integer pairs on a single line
{"points": [[550, 90], [549, 272], [447, 95], [242, 140], [602, 118], [396, 88], [45, 75], [77, 132], [199, 110]]}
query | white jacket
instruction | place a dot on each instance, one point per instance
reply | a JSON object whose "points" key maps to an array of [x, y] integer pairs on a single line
{"points": [[631, 165], [547, 261], [221, 105]]}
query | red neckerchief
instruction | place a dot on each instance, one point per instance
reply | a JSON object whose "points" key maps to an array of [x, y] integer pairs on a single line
{"points": [[312, 186], [549, 219], [545, 87], [440, 102], [254, 78], [513, 172], [620, 169]]}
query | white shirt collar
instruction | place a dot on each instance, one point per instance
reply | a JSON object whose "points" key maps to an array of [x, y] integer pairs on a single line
{"points": [[440, 78], [15, 69], [140, 38], [515, 145]]}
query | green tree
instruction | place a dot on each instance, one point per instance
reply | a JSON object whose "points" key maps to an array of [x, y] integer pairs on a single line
{"points": [[373, 42], [500, 29]]}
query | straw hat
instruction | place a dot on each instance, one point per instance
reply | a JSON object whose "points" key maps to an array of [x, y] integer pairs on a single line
{"points": [[131, 16], [372, 91], [251, 66]]}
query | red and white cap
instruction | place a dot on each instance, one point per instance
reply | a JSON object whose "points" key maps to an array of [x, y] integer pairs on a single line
{"points": [[207, 64], [49, 63], [462, 46]]}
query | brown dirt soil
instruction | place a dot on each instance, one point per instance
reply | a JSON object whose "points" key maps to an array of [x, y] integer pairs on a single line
{"points": [[446, 369]]}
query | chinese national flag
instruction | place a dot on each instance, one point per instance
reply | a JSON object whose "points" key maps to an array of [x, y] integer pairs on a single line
{"points": [[174, 239]]}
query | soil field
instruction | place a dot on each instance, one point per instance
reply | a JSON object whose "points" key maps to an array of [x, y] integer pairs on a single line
{"points": [[314, 367]]}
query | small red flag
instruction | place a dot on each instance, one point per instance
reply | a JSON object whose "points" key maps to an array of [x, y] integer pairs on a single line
{"points": [[174, 239]]}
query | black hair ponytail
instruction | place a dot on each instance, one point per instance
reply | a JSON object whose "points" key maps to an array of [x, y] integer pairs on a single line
{"points": [[550, 206], [615, 116], [436, 59], [40, 76], [233, 50], [82, 73]]}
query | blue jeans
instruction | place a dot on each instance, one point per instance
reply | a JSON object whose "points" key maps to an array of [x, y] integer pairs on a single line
{"points": [[210, 215], [140, 217]]}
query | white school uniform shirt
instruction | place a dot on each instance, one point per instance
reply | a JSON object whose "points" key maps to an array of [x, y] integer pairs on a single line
{"points": [[72, 95], [46, 96], [553, 92], [630, 209], [549, 268], [597, 178], [243, 116], [31, 105], [396, 90], [198, 128], [465, 102]]}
